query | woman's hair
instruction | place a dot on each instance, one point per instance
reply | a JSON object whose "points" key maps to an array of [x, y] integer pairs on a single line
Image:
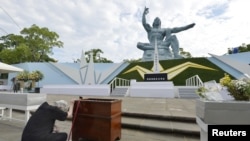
{"points": [[62, 104]]}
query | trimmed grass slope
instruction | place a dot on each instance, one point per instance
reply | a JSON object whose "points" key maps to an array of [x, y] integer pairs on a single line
{"points": [[179, 80]]}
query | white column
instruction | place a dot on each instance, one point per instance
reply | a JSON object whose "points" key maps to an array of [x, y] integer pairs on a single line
{"points": [[156, 67]]}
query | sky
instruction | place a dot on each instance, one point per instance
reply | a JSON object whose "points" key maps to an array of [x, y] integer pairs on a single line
{"points": [[115, 27]]}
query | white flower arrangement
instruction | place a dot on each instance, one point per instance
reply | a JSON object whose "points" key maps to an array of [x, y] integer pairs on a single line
{"points": [[239, 89], [210, 91]]}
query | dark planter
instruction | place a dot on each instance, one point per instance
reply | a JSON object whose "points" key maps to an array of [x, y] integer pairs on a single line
{"points": [[37, 89]]}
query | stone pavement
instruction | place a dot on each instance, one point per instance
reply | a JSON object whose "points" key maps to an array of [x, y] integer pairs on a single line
{"points": [[158, 107]]}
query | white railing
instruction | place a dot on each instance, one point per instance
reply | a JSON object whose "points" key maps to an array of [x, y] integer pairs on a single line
{"points": [[194, 81], [118, 82]]}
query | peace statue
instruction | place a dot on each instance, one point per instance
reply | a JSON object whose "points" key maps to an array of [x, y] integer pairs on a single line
{"points": [[162, 38]]}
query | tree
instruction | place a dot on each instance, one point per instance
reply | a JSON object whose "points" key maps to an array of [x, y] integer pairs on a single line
{"points": [[185, 54], [35, 44], [243, 48], [132, 60], [10, 41], [97, 56]]}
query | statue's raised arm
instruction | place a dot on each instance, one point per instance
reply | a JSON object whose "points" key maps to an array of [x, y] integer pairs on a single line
{"points": [[146, 26]]}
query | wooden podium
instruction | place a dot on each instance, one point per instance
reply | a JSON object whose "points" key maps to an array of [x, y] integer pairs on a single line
{"points": [[97, 120]]}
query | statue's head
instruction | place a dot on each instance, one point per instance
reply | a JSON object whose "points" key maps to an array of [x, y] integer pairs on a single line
{"points": [[157, 23]]}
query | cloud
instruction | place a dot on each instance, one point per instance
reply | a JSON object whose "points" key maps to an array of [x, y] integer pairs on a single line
{"points": [[114, 26]]}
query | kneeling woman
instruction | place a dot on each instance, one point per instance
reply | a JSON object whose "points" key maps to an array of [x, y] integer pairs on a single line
{"points": [[40, 126]]}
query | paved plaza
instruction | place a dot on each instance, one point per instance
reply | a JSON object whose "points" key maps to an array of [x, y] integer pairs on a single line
{"points": [[12, 130]]}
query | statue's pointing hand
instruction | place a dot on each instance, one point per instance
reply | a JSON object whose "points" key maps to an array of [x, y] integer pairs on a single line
{"points": [[192, 25], [146, 11]]}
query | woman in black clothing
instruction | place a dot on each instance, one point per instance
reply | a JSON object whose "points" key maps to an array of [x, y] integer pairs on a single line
{"points": [[40, 126]]}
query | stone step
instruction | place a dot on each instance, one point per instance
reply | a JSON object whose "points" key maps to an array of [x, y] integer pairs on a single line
{"points": [[161, 124], [189, 96], [119, 92], [188, 92]]}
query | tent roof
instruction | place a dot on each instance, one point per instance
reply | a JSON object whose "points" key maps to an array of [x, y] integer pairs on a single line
{"points": [[5, 68]]}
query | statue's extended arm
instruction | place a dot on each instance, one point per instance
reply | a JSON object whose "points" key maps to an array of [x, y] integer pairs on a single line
{"points": [[144, 22], [179, 29]]}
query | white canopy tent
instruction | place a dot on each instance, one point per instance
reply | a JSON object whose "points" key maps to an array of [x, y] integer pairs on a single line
{"points": [[5, 68]]}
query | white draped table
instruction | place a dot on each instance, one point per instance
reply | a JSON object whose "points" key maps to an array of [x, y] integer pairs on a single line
{"points": [[21, 101]]}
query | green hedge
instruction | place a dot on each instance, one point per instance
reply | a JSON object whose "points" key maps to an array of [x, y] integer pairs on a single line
{"points": [[179, 80]]}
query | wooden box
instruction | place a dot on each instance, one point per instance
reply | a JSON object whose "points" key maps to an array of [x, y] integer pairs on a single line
{"points": [[97, 120]]}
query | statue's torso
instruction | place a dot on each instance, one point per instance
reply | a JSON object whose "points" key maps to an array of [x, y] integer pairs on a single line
{"points": [[156, 34], [159, 34]]}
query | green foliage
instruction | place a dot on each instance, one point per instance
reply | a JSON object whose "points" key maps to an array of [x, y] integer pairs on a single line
{"points": [[179, 80], [97, 56], [243, 48], [132, 60], [26, 75], [36, 75], [23, 76], [200, 91], [185, 54], [14, 56], [35, 44], [239, 89], [135, 74]]}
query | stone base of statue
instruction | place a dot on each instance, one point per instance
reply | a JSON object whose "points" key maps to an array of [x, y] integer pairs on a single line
{"points": [[148, 55], [159, 89], [164, 53]]}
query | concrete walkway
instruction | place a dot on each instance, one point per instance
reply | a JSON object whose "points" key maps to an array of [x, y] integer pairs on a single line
{"points": [[172, 107]]}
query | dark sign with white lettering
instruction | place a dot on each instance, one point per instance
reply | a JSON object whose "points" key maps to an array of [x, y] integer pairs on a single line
{"points": [[235, 132], [156, 77]]}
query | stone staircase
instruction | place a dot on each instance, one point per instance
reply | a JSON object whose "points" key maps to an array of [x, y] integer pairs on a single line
{"points": [[119, 92], [187, 92], [166, 124], [183, 126]]}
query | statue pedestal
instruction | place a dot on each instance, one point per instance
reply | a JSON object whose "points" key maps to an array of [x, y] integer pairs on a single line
{"points": [[159, 89]]}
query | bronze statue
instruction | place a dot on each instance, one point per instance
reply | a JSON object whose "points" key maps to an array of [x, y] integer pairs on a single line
{"points": [[163, 39]]}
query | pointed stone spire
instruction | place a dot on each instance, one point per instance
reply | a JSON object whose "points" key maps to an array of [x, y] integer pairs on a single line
{"points": [[83, 60], [83, 68], [90, 77]]}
